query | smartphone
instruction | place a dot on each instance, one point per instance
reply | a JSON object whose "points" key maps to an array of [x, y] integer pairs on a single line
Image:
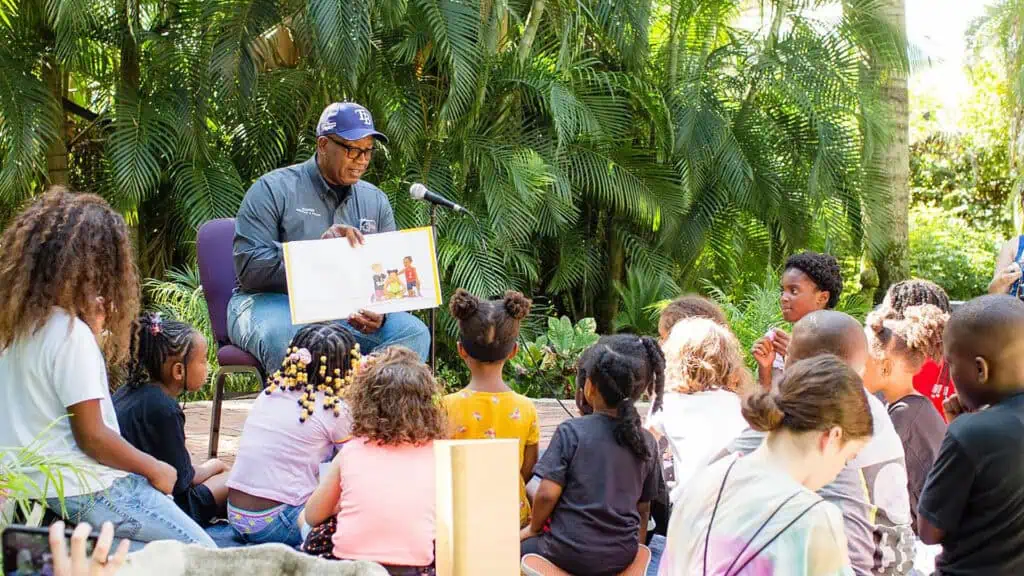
{"points": [[27, 550]]}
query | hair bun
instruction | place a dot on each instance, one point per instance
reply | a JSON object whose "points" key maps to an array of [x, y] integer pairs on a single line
{"points": [[762, 411], [516, 305], [463, 304]]}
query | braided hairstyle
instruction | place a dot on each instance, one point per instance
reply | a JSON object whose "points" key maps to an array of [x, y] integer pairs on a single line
{"points": [[623, 367], [916, 292], [154, 341], [321, 358]]}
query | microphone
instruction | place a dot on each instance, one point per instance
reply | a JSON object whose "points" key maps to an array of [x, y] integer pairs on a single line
{"points": [[419, 192]]}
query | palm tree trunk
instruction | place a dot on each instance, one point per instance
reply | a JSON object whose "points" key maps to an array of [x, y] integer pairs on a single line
{"points": [[530, 34], [616, 273], [1014, 66], [57, 150], [891, 263]]}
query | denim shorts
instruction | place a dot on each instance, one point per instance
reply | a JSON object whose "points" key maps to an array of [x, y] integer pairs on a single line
{"points": [[280, 524], [138, 512]]}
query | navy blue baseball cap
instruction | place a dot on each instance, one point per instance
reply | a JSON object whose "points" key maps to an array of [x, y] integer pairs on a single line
{"points": [[349, 121]]}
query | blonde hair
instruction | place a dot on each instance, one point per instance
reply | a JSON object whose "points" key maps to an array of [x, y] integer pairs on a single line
{"points": [[702, 355], [917, 335]]}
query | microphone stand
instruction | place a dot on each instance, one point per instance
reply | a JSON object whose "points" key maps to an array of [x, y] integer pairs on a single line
{"points": [[433, 311]]}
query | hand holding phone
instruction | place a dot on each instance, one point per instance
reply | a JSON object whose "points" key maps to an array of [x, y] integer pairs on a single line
{"points": [[29, 550]]}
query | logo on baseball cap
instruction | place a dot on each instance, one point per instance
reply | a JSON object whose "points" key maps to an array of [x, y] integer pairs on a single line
{"points": [[349, 121]]}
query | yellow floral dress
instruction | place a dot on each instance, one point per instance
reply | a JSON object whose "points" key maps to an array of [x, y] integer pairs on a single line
{"points": [[487, 415]]}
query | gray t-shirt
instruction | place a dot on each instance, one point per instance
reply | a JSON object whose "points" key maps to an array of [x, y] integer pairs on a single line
{"points": [[296, 203], [871, 492]]}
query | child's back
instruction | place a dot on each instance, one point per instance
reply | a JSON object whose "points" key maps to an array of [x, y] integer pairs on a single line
{"points": [[976, 488], [480, 415], [595, 525]]}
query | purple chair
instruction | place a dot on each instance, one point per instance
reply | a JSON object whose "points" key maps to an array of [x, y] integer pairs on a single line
{"points": [[217, 274]]}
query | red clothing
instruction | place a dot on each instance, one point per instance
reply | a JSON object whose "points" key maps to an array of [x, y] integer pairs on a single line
{"points": [[410, 276], [934, 383]]}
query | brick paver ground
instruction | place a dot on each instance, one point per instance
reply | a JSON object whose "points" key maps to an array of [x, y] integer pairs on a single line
{"points": [[197, 424]]}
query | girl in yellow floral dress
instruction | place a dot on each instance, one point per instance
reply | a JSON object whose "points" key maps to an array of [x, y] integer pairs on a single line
{"points": [[487, 407]]}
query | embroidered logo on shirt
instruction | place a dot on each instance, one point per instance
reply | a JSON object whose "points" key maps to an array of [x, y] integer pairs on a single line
{"points": [[307, 211], [367, 226]]}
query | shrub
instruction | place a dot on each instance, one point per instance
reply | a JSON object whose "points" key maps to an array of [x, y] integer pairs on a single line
{"points": [[946, 250], [546, 367]]}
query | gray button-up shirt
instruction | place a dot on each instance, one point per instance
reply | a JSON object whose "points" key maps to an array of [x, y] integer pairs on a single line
{"points": [[295, 203]]}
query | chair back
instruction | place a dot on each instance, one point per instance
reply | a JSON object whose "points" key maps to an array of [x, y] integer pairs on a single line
{"points": [[217, 272]]}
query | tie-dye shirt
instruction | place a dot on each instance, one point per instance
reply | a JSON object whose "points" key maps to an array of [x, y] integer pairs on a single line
{"points": [[483, 415], [814, 545]]}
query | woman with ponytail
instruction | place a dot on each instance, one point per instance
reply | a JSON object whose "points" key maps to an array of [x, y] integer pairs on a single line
{"points": [[601, 472], [759, 514]]}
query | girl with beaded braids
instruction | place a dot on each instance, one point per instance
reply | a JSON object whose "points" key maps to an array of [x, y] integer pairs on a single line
{"points": [[168, 358], [293, 427], [605, 461], [70, 293]]}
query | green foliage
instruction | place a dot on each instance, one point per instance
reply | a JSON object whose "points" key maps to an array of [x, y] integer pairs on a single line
{"points": [[663, 131], [639, 311], [546, 367], [21, 496], [952, 253]]}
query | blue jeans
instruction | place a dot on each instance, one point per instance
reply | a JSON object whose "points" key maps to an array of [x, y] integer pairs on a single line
{"points": [[261, 324], [283, 530], [138, 511]]}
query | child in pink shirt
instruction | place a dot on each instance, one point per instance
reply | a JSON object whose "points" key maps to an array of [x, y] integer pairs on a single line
{"points": [[289, 432], [380, 487]]}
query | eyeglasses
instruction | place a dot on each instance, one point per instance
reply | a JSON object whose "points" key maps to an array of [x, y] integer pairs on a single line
{"points": [[354, 152]]}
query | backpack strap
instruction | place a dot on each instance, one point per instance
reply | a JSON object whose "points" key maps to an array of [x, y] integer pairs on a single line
{"points": [[714, 511], [773, 538]]}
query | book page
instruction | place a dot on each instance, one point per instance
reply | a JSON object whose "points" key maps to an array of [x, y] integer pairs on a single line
{"points": [[390, 272]]}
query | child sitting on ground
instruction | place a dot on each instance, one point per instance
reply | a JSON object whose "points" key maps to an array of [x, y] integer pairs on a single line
{"points": [[70, 293], [283, 444], [871, 490], [601, 471], [932, 380], [704, 379], [168, 358], [487, 407], [759, 514], [898, 349], [380, 486], [973, 498], [810, 282]]}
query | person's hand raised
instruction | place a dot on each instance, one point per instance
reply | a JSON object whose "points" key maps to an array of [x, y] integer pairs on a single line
{"points": [[355, 237], [79, 563], [780, 341], [764, 352], [952, 407]]}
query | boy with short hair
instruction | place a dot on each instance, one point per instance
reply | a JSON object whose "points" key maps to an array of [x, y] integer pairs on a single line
{"points": [[973, 499], [810, 282]]}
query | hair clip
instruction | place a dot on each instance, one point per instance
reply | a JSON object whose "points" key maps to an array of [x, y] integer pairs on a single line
{"points": [[154, 323], [304, 356]]}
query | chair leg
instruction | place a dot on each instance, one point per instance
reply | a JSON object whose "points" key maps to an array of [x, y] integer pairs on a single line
{"points": [[218, 400]]}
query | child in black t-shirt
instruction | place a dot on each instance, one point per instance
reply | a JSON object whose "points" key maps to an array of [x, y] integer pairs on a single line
{"points": [[973, 499], [899, 345], [168, 358], [601, 471]]}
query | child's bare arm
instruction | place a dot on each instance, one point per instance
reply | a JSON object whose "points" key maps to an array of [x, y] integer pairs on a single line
{"points": [[530, 455], [645, 517], [324, 502], [927, 533], [110, 449], [544, 503], [208, 470]]}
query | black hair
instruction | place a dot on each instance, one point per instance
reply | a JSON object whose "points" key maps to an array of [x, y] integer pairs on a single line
{"points": [[917, 292], [321, 358], [488, 329], [823, 270], [623, 367], [154, 341]]}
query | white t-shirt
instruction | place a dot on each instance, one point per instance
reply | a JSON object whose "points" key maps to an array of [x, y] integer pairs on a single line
{"points": [[698, 427], [812, 546], [60, 365]]}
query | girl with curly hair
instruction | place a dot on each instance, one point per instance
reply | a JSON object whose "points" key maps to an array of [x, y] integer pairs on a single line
{"points": [[898, 346], [70, 293], [379, 490], [293, 427], [600, 472], [705, 378]]}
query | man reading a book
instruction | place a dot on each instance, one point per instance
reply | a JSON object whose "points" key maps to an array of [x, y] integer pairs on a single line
{"points": [[323, 197]]}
